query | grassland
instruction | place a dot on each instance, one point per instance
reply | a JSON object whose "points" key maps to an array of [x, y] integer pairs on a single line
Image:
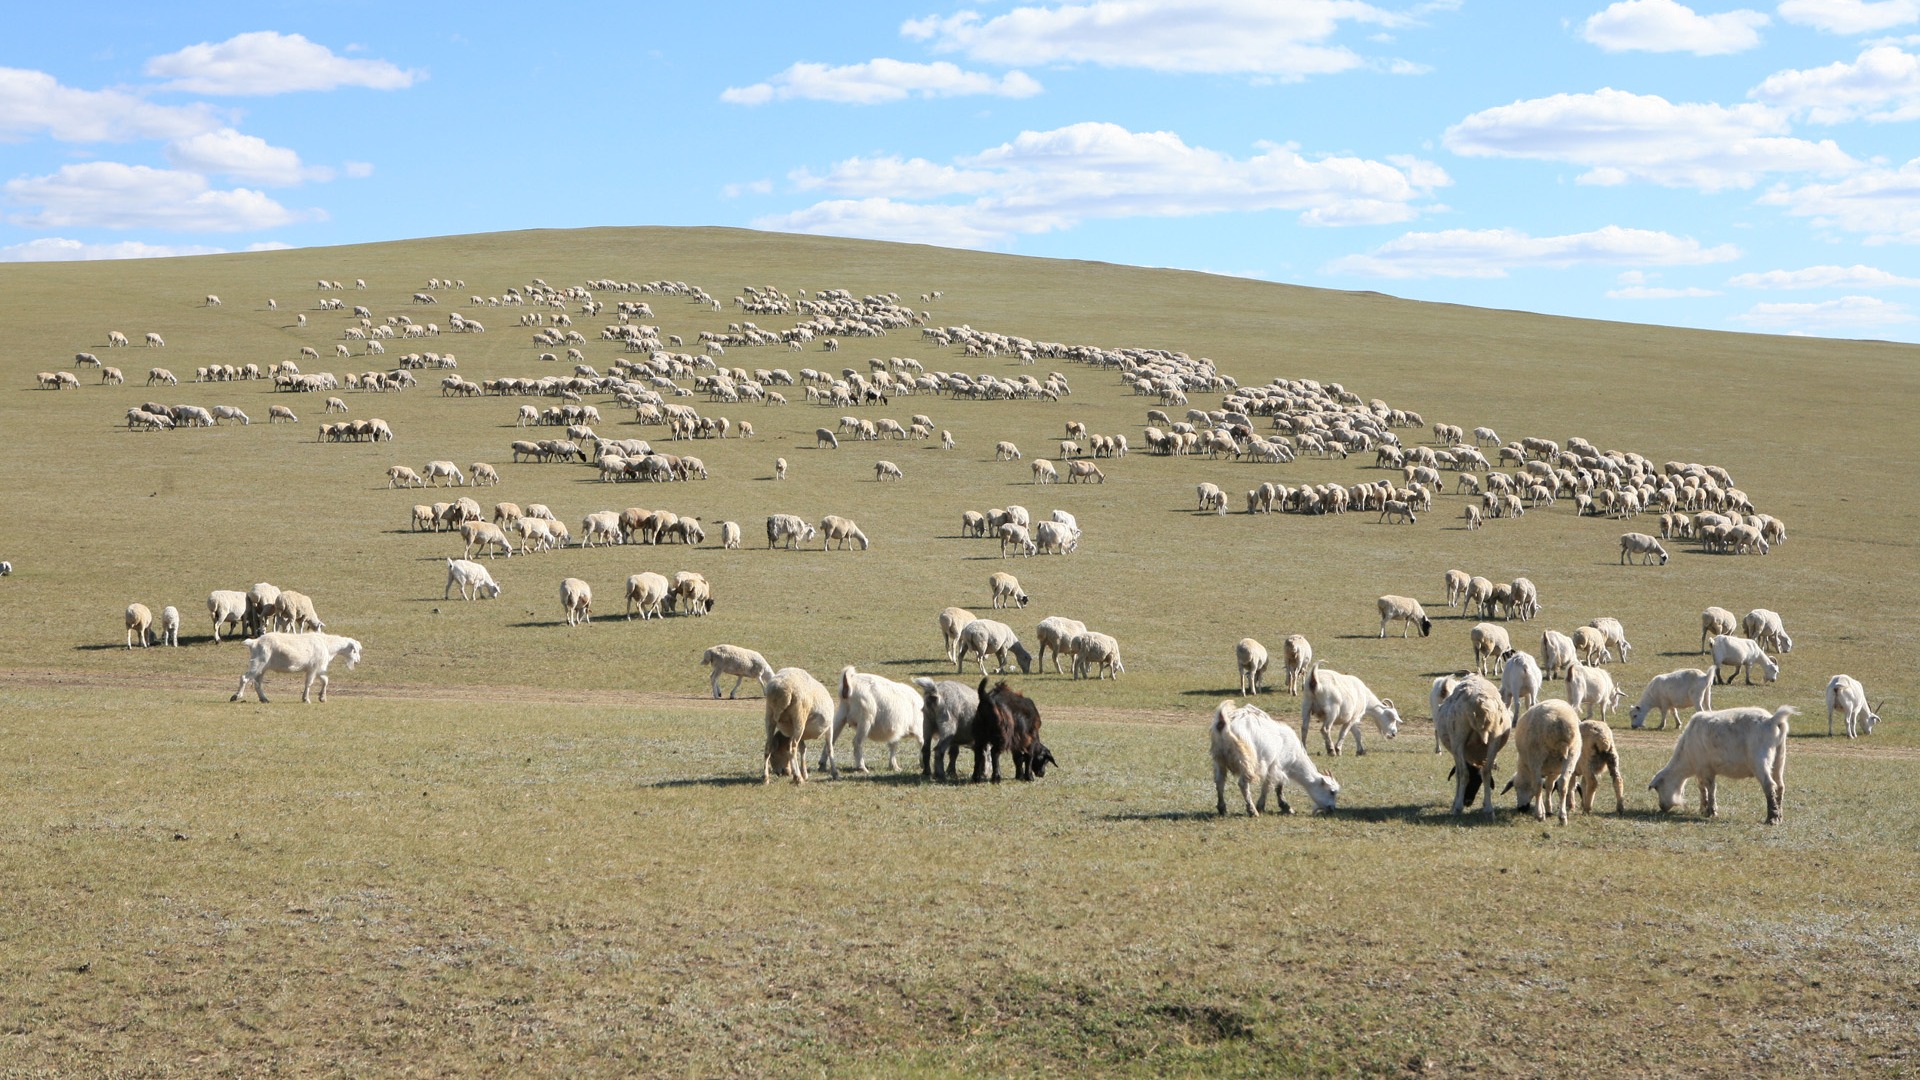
{"points": [[507, 846]]}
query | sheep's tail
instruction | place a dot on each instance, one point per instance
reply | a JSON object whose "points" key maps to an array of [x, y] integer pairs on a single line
{"points": [[846, 681], [1240, 758]]}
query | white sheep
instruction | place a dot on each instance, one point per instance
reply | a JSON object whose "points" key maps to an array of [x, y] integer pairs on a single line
{"points": [[983, 636], [1615, 634], [1556, 652], [485, 536], [293, 612], [1738, 744], [876, 708], [1261, 753], [833, 527], [1297, 654], [307, 654], [1211, 498], [1005, 451], [228, 607], [1634, 543], [951, 621], [1016, 537], [1764, 626], [692, 592], [1597, 753], [1669, 693], [447, 470], [737, 662], [473, 579], [1845, 693], [1713, 621], [1044, 472], [1740, 655], [788, 529], [1250, 659], [780, 468], [402, 476], [1591, 687], [1474, 723], [1097, 653], [1591, 645], [1406, 609], [1547, 740], [1343, 701], [886, 470], [798, 708], [139, 622], [170, 626], [729, 536], [1489, 642], [1520, 681], [1456, 582], [576, 601], [648, 592], [1006, 590], [1056, 632], [1056, 538]]}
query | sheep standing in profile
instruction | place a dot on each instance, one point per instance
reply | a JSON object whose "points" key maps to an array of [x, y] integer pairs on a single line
{"points": [[737, 662], [1406, 609], [1006, 590]]}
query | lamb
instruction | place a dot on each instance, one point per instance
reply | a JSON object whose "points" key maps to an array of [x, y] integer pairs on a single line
{"points": [[307, 654], [983, 636], [1764, 627], [1006, 590], [1005, 451], [780, 468], [1597, 752], [949, 708], [1343, 701], [1590, 645], [973, 523], [1260, 752], [1211, 498], [1297, 654], [1016, 537], [1473, 723], [1556, 652], [1845, 693], [474, 581], [833, 527], [647, 592], [1547, 739], [691, 591], [402, 476], [1634, 543], [1472, 516], [1520, 681], [798, 708], [1591, 687], [293, 611], [1669, 693], [1406, 609], [880, 709], [576, 601], [951, 620], [1095, 652], [886, 470], [228, 607], [1734, 743], [1490, 643], [1250, 659], [1456, 582], [1616, 635], [1740, 655], [485, 536], [737, 662], [170, 626]]}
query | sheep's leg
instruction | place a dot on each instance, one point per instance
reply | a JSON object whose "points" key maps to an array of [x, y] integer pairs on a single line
{"points": [[1777, 801], [322, 677], [1359, 743], [1709, 805], [1220, 789]]}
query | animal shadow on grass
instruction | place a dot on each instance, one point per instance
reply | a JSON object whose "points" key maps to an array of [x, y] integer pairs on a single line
{"points": [[1164, 815], [709, 781], [1233, 693]]}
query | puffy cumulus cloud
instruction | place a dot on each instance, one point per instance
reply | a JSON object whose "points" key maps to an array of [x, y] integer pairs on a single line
{"points": [[1850, 16], [879, 81], [1666, 26], [1882, 83], [1823, 277], [1043, 181], [1623, 136], [1289, 41], [34, 103], [60, 249], [1883, 204], [243, 157], [268, 62], [1490, 253], [1847, 315], [110, 195]]}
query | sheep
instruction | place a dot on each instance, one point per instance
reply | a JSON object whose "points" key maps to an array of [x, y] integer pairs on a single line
{"points": [[1095, 652], [307, 654], [228, 607], [779, 468], [798, 708], [1005, 451], [484, 475], [1087, 471], [1406, 609], [139, 621], [951, 620], [1739, 744], [230, 412], [1395, 508], [484, 536], [886, 470], [1845, 693], [1044, 472], [260, 603], [729, 536], [1260, 752], [1456, 582], [576, 601], [824, 438], [170, 626], [1016, 537], [1669, 693], [1547, 739], [474, 581], [1474, 724], [983, 636], [1211, 498], [880, 709], [281, 412], [1715, 620], [1764, 627], [1250, 659], [402, 476], [789, 529], [1739, 654], [1489, 642], [1616, 635], [1479, 596], [602, 526], [1634, 543], [1597, 753], [1591, 645], [1006, 590], [1297, 654], [162, 375], [1591, 687], [1520, 681], [737, 662], [1057, 632], [1343, 701], [833, 527], [648, 592], [155, 341], [293, 612], [1556, 652], [948, 709], [1056, 538], [692, 592]]}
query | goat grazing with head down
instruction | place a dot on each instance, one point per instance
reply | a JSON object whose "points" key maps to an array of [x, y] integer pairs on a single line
{"points": [[1008, 720]]}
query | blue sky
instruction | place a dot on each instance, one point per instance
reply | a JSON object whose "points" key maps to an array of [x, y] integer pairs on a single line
{"points": [[1719, 165]]}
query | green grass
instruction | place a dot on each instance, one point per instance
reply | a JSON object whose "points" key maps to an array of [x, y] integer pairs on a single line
{"points": [[507, 846]]}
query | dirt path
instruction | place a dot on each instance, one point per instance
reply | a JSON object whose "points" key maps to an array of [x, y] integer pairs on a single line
{"points": [[640, 699]]}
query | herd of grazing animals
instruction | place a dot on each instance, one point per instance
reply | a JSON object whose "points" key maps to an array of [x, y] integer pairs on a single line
{"points": [[1561, 746]]}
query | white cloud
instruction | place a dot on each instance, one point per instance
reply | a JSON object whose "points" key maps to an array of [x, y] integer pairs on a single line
{"points": [[1850, 16], [1847, 315], [1043, 181], [1490, 253], [34, 103], [1883, 83], [1288, 41], [357, 170], [751, 187], [879, 81], [1666, 26], [243, 157], [1882, 203], [1658, 292], [107, 194], [1622, 136], [267, 62], [1823, 277], [60, 249]]}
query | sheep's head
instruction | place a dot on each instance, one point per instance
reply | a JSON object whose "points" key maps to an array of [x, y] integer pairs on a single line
{"points": [[1426, 626], [1672, 788], [1387, 717], [1638, 716], [1771, 669], [1025, 658], [353, 653]]}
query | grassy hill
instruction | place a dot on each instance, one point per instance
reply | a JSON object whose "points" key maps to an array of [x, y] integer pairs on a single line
{"points": [[508, 845]]}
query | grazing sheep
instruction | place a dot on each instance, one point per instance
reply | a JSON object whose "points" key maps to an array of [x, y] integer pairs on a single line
{"points": [[1473, 723], [139, 621], [1489, 644], [170, 626], [1669, 693], [983, 636], [1591, 687], [1087, 471], [1616, 635], [1260, 752], [1590, 645], [1343, 701], [1456, 582], [648, 592], [1056, 632], [1739, 654], [1520, 681], [824, 438], [1472, 516], [1479, 596], [1297, 654], [1845, 693], [1634, 543], [576, 601], [1006, 590], [228, 607], [1556, 652], [949, 708], [1053, 537], [951, 620], [484, 475], [260, 604], [486, 537], [293, 612], [402, 476], [973, 523], [880, 709], [1597, 752], [1715, 620], [1044, 472], [1016, 537], [1764, 627], [798, 708], [737, 662], [1738, 744], [1547, 739], [1211, 498], [788, 529], [833, 527], [692, 592], [1250, 659], [1406, 609], [1005, 451], [886, 470], [1095, 652], [474, 581], [307, 654], [1394, 508], [447, 470]]}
